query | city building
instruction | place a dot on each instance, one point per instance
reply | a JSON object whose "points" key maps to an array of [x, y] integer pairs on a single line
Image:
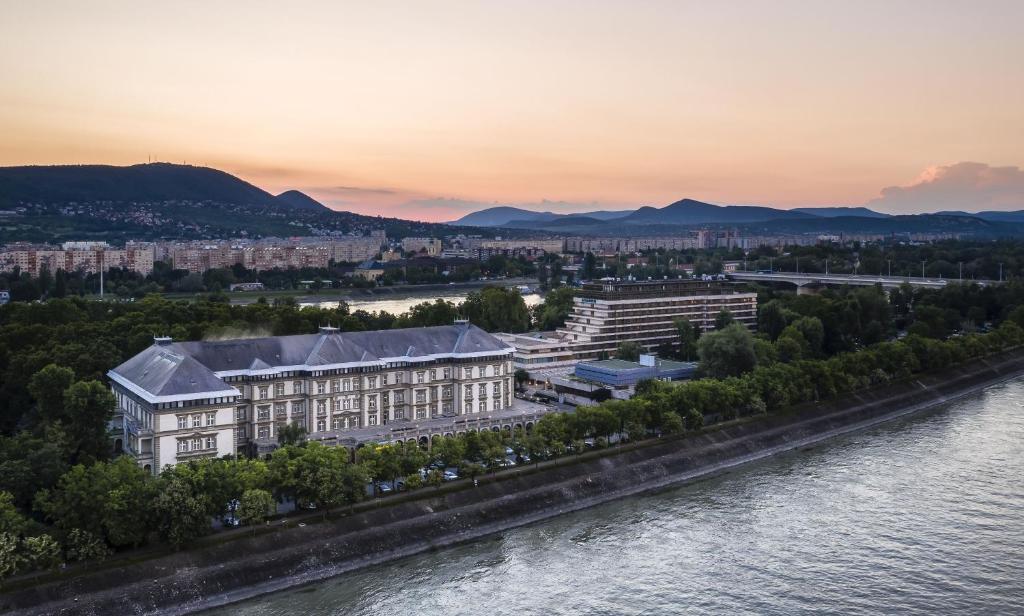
{"points": [[608, 313], [430, 245], [541, 354], [622, 373], [178, 401], [86, 257]]}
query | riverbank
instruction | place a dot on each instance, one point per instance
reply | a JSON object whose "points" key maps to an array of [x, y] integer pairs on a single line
{"points": [[233, 570], [394, 292]]}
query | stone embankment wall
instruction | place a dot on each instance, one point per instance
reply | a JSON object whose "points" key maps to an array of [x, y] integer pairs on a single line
{"points": [[228, 571]]}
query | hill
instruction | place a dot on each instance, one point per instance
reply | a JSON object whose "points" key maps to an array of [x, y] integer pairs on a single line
{"points": [[991, 215], [834, 212], [300, 200], [691, 212], [154, 182], [502, 215]]}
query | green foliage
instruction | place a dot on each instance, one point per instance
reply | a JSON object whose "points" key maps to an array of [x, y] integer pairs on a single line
{"points": [[254, 506], [629, 351], [181, 513], [497, 309], [723, 319], [553, 311], [727, 352]]}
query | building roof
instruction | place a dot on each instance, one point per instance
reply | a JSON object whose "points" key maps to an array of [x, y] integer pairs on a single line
{"points": [[169, 371]]}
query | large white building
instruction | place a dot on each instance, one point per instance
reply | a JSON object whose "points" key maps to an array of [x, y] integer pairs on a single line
{"points": [[178, 401], [608, 313]]}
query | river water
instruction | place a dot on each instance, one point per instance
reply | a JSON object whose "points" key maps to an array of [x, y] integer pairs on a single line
{"points": [[920, 516], [403, 304]]}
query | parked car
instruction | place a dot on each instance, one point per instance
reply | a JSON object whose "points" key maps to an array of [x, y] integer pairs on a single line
{"points": [[450, 475]]}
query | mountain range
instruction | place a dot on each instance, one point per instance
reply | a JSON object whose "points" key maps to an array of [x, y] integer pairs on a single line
{"points": [[148, 183]]}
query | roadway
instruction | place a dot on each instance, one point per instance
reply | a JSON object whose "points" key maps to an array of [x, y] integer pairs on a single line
{"points": [[803, 278]]}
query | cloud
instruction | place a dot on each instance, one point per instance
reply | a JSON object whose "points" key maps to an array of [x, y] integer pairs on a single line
{"points": [[965, 186]]}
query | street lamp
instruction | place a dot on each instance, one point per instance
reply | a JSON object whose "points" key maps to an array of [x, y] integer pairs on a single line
{"points": [[922, 269]]}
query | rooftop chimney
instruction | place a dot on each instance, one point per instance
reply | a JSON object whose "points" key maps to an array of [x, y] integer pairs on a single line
{"points": [[162, 340], [327, 329]]}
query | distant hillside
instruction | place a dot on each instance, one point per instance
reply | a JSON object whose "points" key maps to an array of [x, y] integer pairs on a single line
{"points": [[992, 215], [154, 182], [506, 216], [832, 212], [300, 200], [690, 212], [502, 215]]}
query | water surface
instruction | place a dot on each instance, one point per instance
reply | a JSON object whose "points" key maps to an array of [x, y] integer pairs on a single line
{"points": [[921, 516]]}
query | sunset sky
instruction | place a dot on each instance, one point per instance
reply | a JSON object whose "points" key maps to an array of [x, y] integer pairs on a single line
{"points": [[428, 110]]}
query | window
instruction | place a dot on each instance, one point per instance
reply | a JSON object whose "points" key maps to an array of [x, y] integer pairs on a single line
{"points": [[468, 395], [385, 398], [446, 391], [433, 375], [371, 382], [447, 373], [298, 407], [481, 407], [371, 420], [373, 403], [421, 396], [346, 385], [336, 423], [280, 409], [297, 387], [399, 397], [211, 419], [482, 390], [197, 421], [447, 407], [263, 413], [196, 444], [419, 376], [399, 377], [263, 432], [321, 387], [240, 413], [346, 404], [497, 389], [321, 407], [182, 422], [421, 413], [469, 373], [264, 392], [240, 432], [321, 425], [182, 446], [211, 442], [335, 386], [279, 389]]}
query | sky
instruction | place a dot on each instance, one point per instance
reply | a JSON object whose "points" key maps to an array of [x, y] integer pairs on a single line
{"points": [[428, 110]]}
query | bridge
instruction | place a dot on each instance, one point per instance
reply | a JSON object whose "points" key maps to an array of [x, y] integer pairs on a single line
{"points": [[801, 279]]}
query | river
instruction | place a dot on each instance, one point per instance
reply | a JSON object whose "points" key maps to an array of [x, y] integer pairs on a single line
{"points": [[920, 516], [404, 303]]}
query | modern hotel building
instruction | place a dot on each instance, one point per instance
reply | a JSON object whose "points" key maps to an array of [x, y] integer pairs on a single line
{"points": [[178, 401], [607, 313]]}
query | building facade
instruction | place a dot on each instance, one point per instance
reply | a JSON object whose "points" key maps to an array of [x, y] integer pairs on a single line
{"points": [[178, 401], [86, 257], [608, 313]]}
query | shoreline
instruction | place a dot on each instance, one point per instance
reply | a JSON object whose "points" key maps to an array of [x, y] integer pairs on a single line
{"points": [[218, 575]]}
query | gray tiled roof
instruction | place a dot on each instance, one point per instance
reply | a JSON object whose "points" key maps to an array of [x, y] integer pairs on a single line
{"points": [[189, 367]]}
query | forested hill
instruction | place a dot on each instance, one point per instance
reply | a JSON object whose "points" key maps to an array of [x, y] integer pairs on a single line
{"points": [[154, 182]]}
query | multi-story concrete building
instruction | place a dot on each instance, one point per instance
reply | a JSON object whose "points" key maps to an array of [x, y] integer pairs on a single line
{"points": [[432, 246], [608, 313], [87, 257], [177, 401]]}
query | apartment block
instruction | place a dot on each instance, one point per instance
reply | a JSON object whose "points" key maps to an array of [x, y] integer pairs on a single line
{"points": [[608, 313]]}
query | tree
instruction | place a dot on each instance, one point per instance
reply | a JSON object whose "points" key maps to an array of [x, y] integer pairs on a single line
{"points": [[181, 514], [254, 507], [589, 269], [671, 423], [628, 351], [554, 310], [47, 387], [291, 434], [497, 309], [521, 377], [688, 335], [91, 405], [727, 352], [723, 319]]}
